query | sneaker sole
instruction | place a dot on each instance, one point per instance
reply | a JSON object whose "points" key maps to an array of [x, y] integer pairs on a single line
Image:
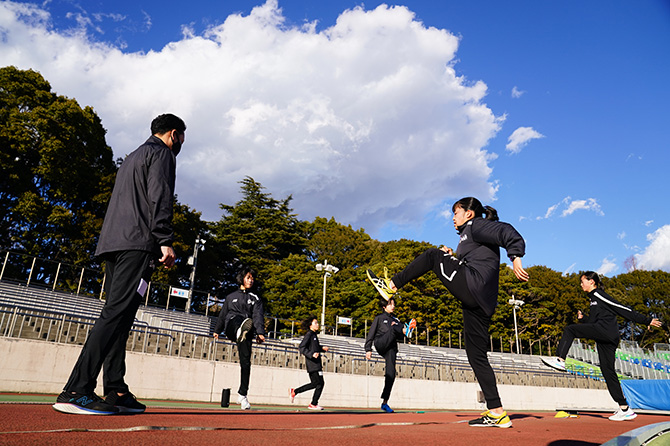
{"points": [[624, 419], [503, 426], [551, 365], [77, 410], [244, 329], [375, 281], [123, 409]]}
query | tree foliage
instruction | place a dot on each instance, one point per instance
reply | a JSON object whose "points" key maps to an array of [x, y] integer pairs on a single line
{"points": [[58, 173], [57, 170], [257, 231]]}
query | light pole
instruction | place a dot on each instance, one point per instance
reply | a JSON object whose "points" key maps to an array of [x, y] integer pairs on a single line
{"points": [[328, 270], [516, 304], [193, 261]]}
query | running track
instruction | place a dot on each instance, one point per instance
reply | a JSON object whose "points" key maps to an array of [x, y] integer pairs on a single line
{"points": [[39, 424]]}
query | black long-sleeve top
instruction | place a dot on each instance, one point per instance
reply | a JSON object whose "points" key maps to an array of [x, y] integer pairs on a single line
{"points": [[479, 249], [139, 213], [380, 327], [310, 344], [241, 303], [604, 311]]}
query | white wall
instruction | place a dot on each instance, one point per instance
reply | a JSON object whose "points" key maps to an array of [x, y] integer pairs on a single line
{"points": [[44, 367]]}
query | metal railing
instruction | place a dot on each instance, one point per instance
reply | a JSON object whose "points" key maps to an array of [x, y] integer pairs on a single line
{"points": [[62, 328]]}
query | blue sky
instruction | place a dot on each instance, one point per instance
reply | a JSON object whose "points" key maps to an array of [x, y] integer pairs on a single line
{"points": [[555, 113]]}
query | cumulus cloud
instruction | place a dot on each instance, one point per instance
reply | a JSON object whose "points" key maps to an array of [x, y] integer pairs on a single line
{"points": [[570, 206], [520, 138], [657, 254], [366, 121], [608, 266]]}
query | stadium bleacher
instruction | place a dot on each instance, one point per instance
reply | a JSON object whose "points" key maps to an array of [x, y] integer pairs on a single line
{"points": [[64, 317]]}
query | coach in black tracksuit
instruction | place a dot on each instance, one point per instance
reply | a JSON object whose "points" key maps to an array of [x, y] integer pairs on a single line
{"points": [[384, 333], [601, 326], [471, 275], [136, 233], [236, 307]]}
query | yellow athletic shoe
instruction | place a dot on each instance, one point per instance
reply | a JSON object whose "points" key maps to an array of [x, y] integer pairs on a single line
{"points": [[566, 414], [489, 419], [381, 285]]}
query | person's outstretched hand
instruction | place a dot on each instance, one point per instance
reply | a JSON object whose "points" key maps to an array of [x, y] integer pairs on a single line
{"points": [[519, 272]]}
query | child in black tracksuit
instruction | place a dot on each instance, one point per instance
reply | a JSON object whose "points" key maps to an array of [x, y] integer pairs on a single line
{"points": [[312, 349], [241, 318], [471, 275], [602, 327], [385, 331]]}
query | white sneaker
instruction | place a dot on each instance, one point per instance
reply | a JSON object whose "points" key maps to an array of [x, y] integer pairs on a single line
{"points": [[244, 402], [554, 362], [623, 415]]}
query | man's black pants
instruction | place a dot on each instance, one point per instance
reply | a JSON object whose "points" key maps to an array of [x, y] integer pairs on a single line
{"points": [[105, 347]]}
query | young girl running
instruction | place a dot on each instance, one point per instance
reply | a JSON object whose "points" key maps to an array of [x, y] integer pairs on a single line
{"points": [[385, 331], [312, 349], [602, 327], [471, 275]]}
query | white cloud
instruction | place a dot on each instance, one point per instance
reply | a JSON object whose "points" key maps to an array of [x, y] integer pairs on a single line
{"points": [[621, 235], [516, 93], [550, 211], [648, 223], [569, 206], [366, 121], [608, 266], [657, 254], [570, 269], [590, 204], [520, 137]]}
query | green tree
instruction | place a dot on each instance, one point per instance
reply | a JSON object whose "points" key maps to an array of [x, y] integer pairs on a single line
{"points": [[257, 231], [426, 299], [57, 170], [551, 302], [188, 225], [645, 292]]}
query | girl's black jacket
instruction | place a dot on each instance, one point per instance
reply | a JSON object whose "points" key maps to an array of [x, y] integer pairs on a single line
{"points": [[605, 309], [310, 344], [479, 250], [241, 303], [381, 325]]}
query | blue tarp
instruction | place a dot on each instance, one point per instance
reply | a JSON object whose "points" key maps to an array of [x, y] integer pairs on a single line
{"points": [[648, 394]]}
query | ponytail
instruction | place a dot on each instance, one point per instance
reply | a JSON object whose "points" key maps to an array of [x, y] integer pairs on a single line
{"points": [[474, 205], [491, 213]]}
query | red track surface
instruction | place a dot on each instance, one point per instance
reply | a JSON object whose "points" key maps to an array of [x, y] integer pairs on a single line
{"points": [[39, 424]]}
